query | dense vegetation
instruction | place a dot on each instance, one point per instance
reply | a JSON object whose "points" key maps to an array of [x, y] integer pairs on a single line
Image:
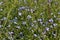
{"points": [[29, 19]]}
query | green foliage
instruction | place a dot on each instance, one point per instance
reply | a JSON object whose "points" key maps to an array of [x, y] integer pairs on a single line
{"points": [[29, 20]]}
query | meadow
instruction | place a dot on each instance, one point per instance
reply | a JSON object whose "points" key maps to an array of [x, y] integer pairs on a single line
{"points": [[29, 19]]}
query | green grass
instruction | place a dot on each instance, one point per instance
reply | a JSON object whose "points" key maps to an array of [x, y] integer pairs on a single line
{"points": [[29, 20]]}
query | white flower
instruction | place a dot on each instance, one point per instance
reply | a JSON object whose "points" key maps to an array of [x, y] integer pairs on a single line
{"points": [[54, 24], [41, 23], [31, 10], [27, 9], [19, 13], [58, 12], [0, 26], [44, 25], [18, 27], [42, 13], [54, 35], [44, 32], [51, 13], [49, 1], [8, 26], [40, 19], [21, 33], [1, 3], [35, 35], [1, 9], [4, 18], [51, 20], [47, 29], [58, 19], [51, 26], [28, 17], [15, 17], [24, 23], [54, 16], [35, 1], [25, 2], [34, 21], [32, 24], [32, 31], [21, 8], [11, 33], [15, 22]]}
